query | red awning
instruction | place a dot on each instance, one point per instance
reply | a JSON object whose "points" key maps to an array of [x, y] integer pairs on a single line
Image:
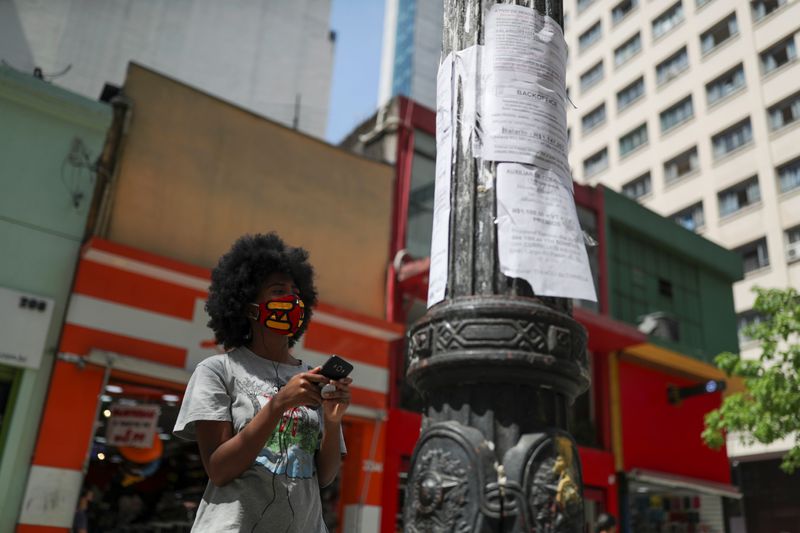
{"points": [[607, 334], [682, 482]]}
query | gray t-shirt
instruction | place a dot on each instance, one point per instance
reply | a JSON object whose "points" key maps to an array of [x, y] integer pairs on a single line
{"points": [[280, 491]]}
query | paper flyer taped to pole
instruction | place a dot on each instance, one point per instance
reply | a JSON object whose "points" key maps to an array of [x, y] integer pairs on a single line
{"points": [[539, 236], [523, 64], [437, 277]]}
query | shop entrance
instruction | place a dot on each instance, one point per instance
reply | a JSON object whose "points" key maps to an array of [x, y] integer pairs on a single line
{"points": [[158, 487], [9, 378], [153, 484], [594, 503], [655, 509]]}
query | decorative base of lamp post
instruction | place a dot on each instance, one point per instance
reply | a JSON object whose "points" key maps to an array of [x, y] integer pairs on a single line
{"points": [[457, 485], [496, 374]]}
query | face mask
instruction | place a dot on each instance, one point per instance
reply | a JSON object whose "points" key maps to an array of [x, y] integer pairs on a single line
{"points": [[284, 315]]}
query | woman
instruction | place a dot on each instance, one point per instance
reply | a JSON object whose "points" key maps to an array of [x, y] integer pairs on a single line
{"points": [[268, 435]]}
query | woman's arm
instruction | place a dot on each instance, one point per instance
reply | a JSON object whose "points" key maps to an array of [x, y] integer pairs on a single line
{"points": [[226, 456], [329, 456]]}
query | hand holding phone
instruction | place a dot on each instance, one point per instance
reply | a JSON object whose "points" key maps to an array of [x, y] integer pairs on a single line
{"points": [[336, 368], [336, 396]]}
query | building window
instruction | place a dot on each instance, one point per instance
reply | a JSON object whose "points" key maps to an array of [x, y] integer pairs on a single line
{"points": [[793, 244], [741, 195], [691, 218], [633, 140], [592, 76], [701, 3], [672, 67], [732, 138], [793, 235], [677, 114], [746, 320], [421, 195], [789, 175], [725, 85], [681, 165], [718, 33], [762, 8], [590, 36], [587, 218], [639, 187], [627, 50], [754, 254], [621, 10], [593, 118], [784, 112], [583, 4], [630, 94], [778, 55], [667, 20], [595, 163]]}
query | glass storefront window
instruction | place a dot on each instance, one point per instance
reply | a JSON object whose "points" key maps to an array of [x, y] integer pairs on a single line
{"points": [[657, 509], [130, 495], [139, 490]]}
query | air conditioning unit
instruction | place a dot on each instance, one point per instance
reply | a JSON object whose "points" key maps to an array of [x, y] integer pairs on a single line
{"points": [[660, 324], [793, 251]]}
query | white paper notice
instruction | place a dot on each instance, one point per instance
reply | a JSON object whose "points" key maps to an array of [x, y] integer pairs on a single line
{"points": [[539, 238], [437, 279], [523, 113]]}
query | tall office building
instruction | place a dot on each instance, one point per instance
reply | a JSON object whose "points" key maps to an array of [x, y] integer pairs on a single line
{"points": [[273, 58], [412, 44], [692, 107]]}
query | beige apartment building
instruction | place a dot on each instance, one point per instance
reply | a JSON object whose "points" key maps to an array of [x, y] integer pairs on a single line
{"points": [[692, 107]]}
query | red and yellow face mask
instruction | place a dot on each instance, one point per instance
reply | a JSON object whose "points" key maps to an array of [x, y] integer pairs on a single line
{"points": [[284, 315]]}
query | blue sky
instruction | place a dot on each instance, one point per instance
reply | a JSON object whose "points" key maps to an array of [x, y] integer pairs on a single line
{"points": [[356, 64]]}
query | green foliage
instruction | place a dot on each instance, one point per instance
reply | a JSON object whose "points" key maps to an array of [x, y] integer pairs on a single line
{"points": [[769, 408]]}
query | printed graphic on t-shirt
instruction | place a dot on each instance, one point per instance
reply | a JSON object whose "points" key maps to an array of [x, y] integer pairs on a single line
{"points": [[291, 447]]}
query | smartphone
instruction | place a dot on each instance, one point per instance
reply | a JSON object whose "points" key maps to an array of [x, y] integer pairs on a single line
{"points": [[336, 368]]}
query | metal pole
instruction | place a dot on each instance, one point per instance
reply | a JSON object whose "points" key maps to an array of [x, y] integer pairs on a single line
{"points": [[95, 423], [496, 365]]}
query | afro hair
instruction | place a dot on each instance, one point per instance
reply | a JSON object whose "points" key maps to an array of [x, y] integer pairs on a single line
{"points": [[237, 279]]}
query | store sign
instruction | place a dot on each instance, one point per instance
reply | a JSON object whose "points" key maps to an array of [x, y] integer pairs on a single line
{"points": [[132, 425], [23, 329]]}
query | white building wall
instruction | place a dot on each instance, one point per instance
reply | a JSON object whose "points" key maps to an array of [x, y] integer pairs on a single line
{"points": [[776, 211], [387, 53], [259, 54]]}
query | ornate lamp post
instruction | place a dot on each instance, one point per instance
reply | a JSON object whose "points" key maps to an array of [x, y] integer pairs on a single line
{"points": [[495, 364]]}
